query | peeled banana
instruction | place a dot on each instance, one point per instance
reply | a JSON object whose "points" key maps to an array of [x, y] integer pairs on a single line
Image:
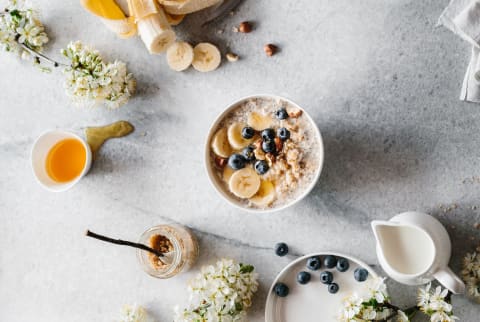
{"points": [[220, 145], [179, 56], [235, 137], [186, 6], [265, 194], [259, 121], [206, 57], [112, 16], [152, 25], [244, 183]]}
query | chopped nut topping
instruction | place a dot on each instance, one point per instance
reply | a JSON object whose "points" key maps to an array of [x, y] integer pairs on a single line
{"points": [[270, 49]]}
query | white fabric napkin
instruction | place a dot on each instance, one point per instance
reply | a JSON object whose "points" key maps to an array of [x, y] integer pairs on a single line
{"points": [[463, 18]]}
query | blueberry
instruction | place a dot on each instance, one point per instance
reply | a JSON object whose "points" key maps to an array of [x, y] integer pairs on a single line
{"points": [[269, 146], [248, 153], [283, 134], [326, 277], [313, 263], [303, 277], [330, 261], [237, 161], [342, 265], [281, 114], [281, 289], [333, 288], [281, 249], [248, 132], [268, 134], [261, 166], [360, 274]]}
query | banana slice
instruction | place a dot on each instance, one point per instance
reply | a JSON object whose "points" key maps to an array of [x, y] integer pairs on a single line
{"points": [[227, 173], [179, 56], [235, 137], [186, 6], [259, 121], [206, 57], [220, 145], [156, 32], [265, 195], [244, 183]]}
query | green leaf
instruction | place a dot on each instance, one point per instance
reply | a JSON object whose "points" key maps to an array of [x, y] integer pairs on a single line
{"points": [[16, 14], [244, 269]]}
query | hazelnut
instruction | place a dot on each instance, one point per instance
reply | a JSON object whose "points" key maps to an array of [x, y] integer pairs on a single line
{"points": [[231, 57], [295, 113], [270, 49], [245, 27], [278, 144], [220, 162], [270, 158]]}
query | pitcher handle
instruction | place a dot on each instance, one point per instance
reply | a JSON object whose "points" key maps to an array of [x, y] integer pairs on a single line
{"points": [[447, 278]]}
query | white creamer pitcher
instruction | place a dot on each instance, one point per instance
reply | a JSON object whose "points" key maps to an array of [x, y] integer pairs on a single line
{"points": [[414, 248]]}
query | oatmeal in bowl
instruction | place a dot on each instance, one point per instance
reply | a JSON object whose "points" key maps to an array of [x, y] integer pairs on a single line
{"points": [[264, 153]]}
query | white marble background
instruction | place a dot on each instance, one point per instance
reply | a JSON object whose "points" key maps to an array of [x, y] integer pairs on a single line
{"points": [[378, 77]]}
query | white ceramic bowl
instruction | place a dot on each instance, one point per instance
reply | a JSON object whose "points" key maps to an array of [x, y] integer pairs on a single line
{"points": [[40, 150], [312, 302], [216, 181]]}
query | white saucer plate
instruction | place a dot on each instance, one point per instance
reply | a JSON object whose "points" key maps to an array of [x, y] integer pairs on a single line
{"points": [[312, 302]]}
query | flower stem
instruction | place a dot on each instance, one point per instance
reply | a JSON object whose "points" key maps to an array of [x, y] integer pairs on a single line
{"points": [[39, 56]]}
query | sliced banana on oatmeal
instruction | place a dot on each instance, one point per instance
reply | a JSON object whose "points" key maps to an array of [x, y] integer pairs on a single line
{"points": [[244, 183], [179, 56], [206, 57], [235, 137], [259, 121], [227, 173], [220, 145], [265, 194]]}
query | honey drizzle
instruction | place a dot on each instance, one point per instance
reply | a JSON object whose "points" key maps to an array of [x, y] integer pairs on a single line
{"points": [[96, 136]]}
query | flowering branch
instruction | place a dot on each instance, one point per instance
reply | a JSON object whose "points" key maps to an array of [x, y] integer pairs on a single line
{"points": [[221, 292], [433, 303], [90, 81]]}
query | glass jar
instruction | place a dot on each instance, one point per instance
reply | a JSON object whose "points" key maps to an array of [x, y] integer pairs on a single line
{"points": [[178, 242]]}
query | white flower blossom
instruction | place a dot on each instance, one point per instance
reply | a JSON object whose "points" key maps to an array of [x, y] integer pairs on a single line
{"points": [[19, 25], [434, 303], [220, 293], [90, 81], [134, 313], [471, 274]]}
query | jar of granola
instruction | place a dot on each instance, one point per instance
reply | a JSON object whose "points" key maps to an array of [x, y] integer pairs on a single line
{"points": [[177, 243]]}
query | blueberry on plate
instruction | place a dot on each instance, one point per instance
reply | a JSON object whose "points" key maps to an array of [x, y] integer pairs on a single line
{"points": [[360, 274], [281, 289], [326, 277], [303, 277], [248, 132], [313, 263], [330, 261], [248, 153], [283, 134], [261, 166], [269, 146], [268, 134], [237, 161], [333, 288], [281, 249], [342, 265], [281, 114]]}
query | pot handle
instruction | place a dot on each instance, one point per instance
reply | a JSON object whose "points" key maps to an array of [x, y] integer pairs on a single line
{"points": [[447, 278]]}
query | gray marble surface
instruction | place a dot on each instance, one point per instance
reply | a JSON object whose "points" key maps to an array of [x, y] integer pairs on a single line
{"points": [[379, 78]]}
